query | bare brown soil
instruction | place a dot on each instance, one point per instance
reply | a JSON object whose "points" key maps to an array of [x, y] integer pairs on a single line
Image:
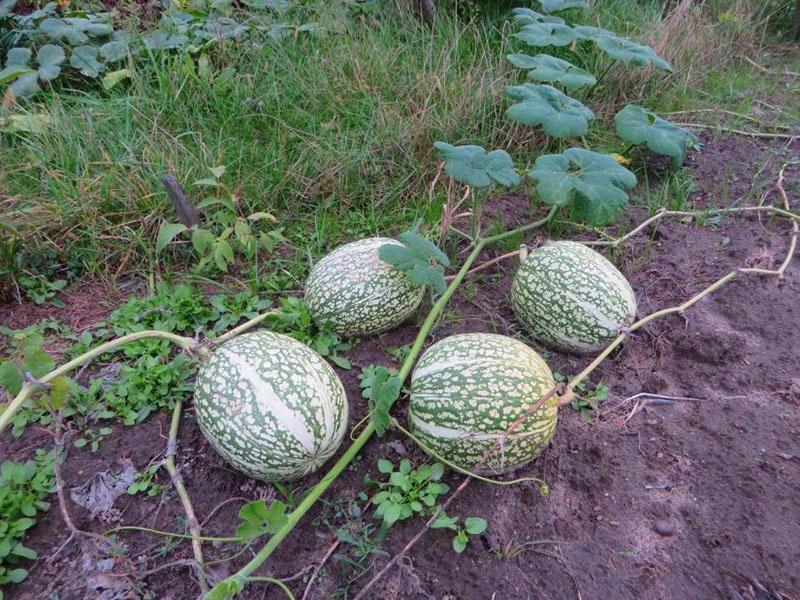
{"points": [[692, 499]]}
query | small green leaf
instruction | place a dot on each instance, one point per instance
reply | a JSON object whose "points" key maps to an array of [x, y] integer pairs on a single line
{"points": [[475, 525], [18, 57], [637, 125], [217, 172], [595, 182], [38, 363], [550, 69], [16, 575], [445, 522], [558, 114], [10, 378], [474, 166], [460, 543], [437, 470], [168, 232], [391, 514], [22, 551], [223, 254], [385, 466], [546, 34], [80, 442]]}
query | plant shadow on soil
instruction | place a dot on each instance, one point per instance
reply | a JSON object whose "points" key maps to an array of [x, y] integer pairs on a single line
{"points": [[722, 472]]}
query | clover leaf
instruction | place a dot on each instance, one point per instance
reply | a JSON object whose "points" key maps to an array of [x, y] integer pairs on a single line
{"points": [[558, 114], [546, 34], [476, 167], [637, 125], [629, 51], [594, 183], [550, 69], [526, 16], [549, 6]]}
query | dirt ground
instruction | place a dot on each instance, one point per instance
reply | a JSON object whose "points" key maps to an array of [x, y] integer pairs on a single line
{"points": [[690, 499]]}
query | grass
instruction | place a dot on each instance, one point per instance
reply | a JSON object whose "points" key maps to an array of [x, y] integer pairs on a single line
{"points": [[332, 134]]}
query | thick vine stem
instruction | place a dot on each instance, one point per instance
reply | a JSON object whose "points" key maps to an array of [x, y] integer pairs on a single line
{"points": [[663, 213], [188, 344], [177, 482], [314, 493]]}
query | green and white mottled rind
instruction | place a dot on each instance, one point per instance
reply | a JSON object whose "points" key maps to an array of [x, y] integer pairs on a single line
{"points": [[270, 405], [572, 298], [468, 389], [355, 293]]}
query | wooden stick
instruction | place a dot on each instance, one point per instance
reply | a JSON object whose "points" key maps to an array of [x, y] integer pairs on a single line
{"points": [[187, 213]]}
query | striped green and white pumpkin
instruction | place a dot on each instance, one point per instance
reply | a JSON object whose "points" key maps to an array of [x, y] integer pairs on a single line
{"points": [[271, 406], [468, 389], [354, 292], [571, 298]]}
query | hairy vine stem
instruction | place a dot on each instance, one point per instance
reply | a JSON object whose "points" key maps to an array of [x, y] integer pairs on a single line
{"points": [[177, 482]]}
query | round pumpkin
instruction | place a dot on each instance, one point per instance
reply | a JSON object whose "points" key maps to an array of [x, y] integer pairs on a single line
{"points": [[468, 389], [572, 298], [270, 405], [354, 292]]}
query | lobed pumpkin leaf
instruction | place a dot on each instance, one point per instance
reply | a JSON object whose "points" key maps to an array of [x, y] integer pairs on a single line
{"points": [[526, 16], [550, 69], [631, 52], [49, 58], [558, 114], [84, 58], [382, 389], [588, 32], [637, 125], [594, 183], [419, 258], [547, 34], [476, 167], [549, 6]]}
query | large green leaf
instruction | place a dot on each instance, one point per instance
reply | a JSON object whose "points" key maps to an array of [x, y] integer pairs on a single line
{"points": [[25, 85], [84, 58], [546, 34], [549, 6], [17, 62], [588, 32], [62, 30], [637, 125], [49, 58], [526, 16], [550, 69], [631, 52], [558, 114], [594, 183], [476, 167], [113, 51]]}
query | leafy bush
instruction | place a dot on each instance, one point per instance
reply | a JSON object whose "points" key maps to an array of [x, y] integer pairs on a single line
{"points": [[40, 46], [23, 488]]}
